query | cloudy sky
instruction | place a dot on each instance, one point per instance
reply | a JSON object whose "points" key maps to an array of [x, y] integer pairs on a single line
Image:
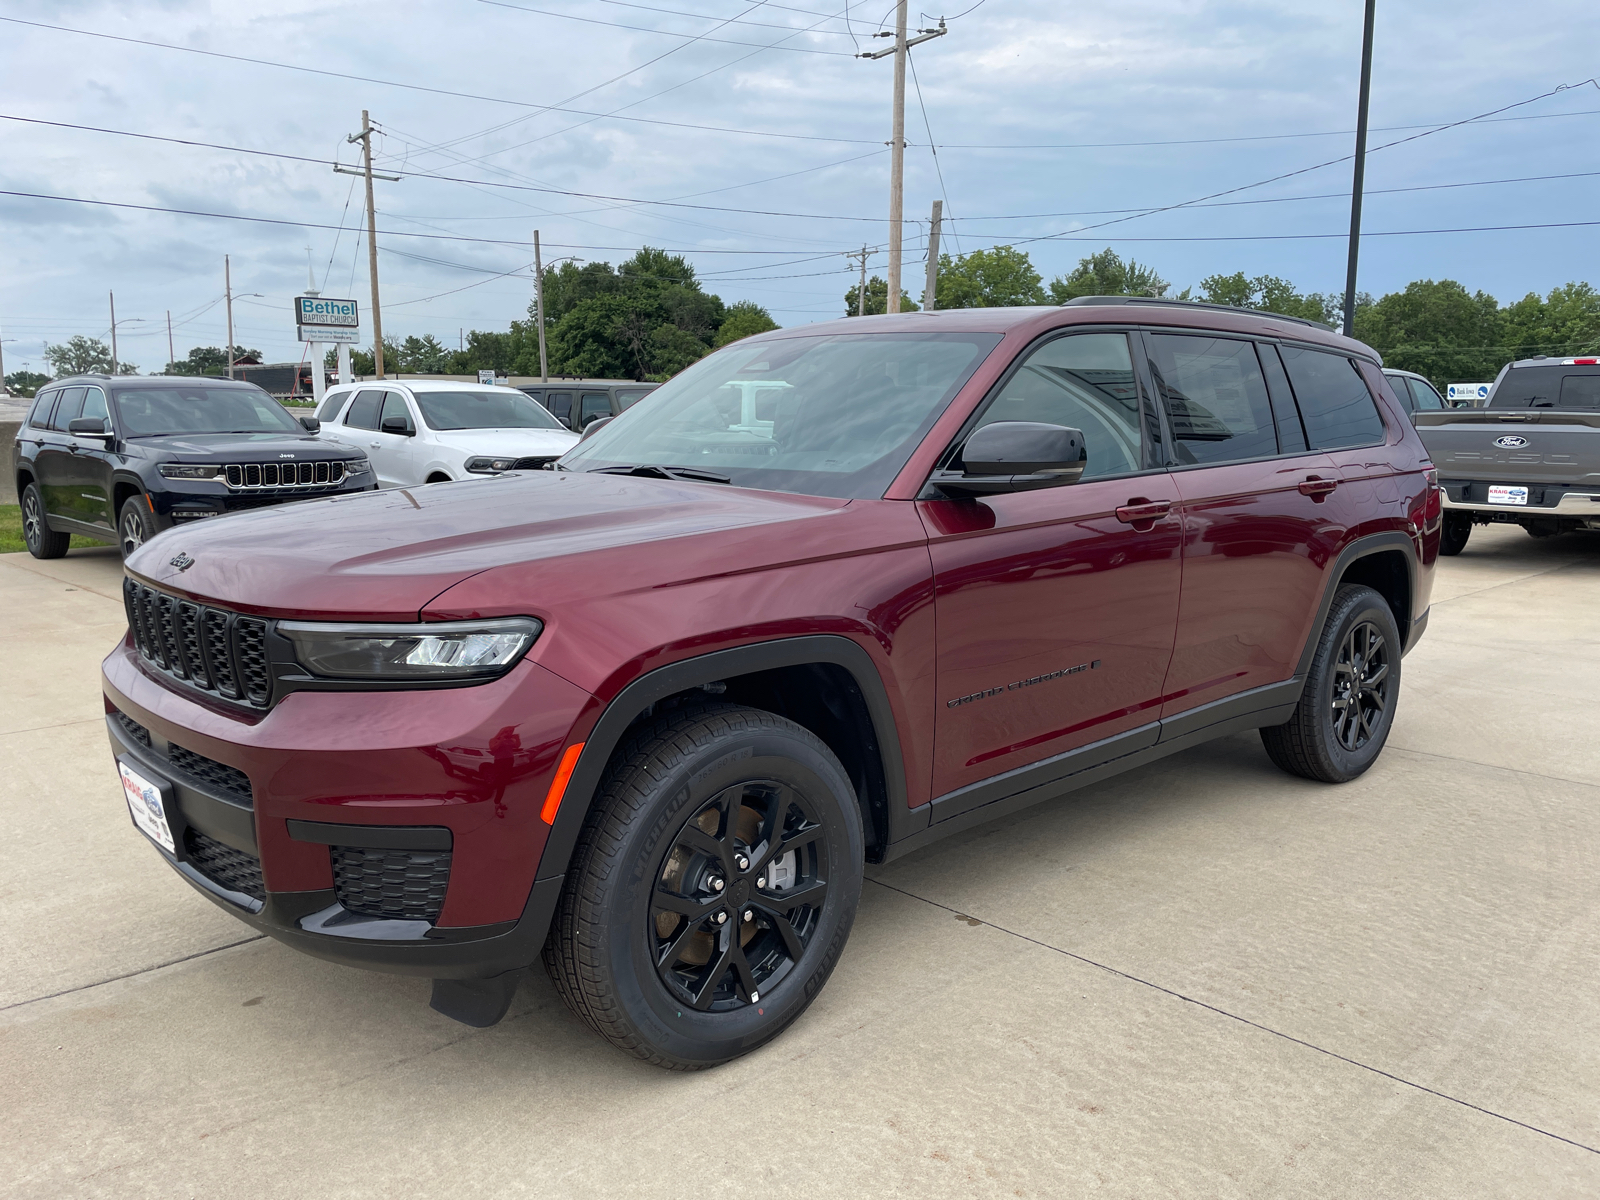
{"points": [[747, 136]]}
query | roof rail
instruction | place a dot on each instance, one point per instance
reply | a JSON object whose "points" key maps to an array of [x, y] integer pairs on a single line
{"points": [[1253, 312]]}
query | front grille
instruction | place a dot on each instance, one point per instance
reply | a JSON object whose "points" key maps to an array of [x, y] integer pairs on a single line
{"points": [[223, 778], [282, 475], [210, 648], [400, 884], [535, 463], [223, 865], [133, 729]]}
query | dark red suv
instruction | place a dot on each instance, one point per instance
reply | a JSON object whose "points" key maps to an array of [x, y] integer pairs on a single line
{"points": [[828, 595]]}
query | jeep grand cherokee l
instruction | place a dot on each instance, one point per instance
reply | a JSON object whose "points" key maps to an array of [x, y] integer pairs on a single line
{"points": [[123, 459], [834, 593]]}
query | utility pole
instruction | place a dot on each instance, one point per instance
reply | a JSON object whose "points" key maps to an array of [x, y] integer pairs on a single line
{"points": [[897, 143], [861, 291], [113, 296], [365, 138], [538, 301], [1360, 172], [172, 356], [930, 293], [227, 290]]}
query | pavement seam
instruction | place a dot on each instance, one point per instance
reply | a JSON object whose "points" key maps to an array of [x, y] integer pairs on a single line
{"points": [[1472, 762], [1222, 1012], [1509, 582], [83, 987], [5, 733]]}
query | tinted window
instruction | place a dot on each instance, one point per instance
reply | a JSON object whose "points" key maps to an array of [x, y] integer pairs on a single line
{"points": [[559, 403], [594, 404], [39, 415], [363, 412], [1425, 396], [332, 405], [1215, 396], [1580, 391], [1545, 387], [492, 408], [71, 405], [625, 399], [1402, 391], [1291, 431], [1334, 401], [832, 414], [1084, 382], [148, 412], [94, 405], [394, 405]]}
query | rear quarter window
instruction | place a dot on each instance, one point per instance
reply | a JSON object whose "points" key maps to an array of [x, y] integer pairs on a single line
{"points": [[39, 414], [1334, 402], [1548, 387]]}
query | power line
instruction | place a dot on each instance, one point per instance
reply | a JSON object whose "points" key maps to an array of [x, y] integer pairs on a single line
{"points": [[731, 20], [544, 12]]}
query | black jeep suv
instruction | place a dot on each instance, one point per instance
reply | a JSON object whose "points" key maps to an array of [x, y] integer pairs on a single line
{"points": [[122, 459]]}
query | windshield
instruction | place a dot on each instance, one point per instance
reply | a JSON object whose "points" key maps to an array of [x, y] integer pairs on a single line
{"points": [[499, 408], [150, 412], [823, 415]]}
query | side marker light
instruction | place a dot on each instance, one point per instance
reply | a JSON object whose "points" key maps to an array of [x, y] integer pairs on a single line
{"points": [[558, 785]]}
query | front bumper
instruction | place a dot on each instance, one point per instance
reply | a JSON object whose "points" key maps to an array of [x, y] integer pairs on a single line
{"points": [[269, 814]]}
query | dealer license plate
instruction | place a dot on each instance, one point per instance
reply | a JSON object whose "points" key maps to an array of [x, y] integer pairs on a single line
{"points": [[1504, 494], [145, 803]]}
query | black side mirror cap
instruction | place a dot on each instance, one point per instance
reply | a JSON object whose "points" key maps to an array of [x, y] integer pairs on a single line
{"points": [[310, 424], [397, 425], [88, 427], [1017, 456]]}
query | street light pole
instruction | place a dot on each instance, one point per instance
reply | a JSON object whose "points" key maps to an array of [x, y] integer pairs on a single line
{"points": [[1358, 182], [227, 290]]}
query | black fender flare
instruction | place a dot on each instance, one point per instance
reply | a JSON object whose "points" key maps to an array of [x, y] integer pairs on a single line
{"points": [[1363, 547]]}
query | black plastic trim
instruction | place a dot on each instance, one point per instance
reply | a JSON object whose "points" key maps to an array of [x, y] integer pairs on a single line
{"points": [[374, 837], [1362, 547], [209, 812]]}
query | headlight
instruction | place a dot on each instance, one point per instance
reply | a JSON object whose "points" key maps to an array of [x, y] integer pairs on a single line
{"points": [[357, 466], [490, 466], [189, 470], [437, 650]]}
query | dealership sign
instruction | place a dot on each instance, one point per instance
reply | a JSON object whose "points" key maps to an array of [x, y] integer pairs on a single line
{"points": [[315, 310]]}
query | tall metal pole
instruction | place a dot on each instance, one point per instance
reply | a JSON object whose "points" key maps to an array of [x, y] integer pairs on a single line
{"points": [[113, 296], [930, 292], [897, 158], [1360, 173], [172, 356], [227, 289], [861, 292], [372, 246], [538, 300]]}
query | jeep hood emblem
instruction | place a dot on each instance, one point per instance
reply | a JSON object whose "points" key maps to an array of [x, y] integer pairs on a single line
{"points": [[182, 561]]}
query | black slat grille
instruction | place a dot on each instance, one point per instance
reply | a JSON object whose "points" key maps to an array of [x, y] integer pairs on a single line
{"points": [[211, 649], [220, 777], [399, 884], [133, 729], [284, 475], [535, 463], [223, 865]]}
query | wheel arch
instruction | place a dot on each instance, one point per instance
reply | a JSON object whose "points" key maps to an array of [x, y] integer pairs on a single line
{"points": [[24, 478], [122, 487], [825, 683], [1385, 562]]}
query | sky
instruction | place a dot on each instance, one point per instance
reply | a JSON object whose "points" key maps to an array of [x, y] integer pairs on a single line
{"points": [[748, 137]]}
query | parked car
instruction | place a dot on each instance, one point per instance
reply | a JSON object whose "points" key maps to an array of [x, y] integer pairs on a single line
{"points": [[1529, 457], [831, 595], [122, 459], [1414, 392], [433, 432], [576, 403]]}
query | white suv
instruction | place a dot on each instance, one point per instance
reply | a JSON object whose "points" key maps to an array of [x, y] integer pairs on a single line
{"points": [[430, 432]]}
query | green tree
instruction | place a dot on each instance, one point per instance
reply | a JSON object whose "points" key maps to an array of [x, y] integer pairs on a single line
{"points": [[1437, 329], [209, 360], [745, 318], [26, 383], [78, 355], [1002, 277], [1564, 323], [420, 356], [877, 298], [1269, 293], [1105, 274]]}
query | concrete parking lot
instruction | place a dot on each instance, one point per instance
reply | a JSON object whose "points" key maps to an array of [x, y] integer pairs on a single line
{"points": [[1203, 979]]}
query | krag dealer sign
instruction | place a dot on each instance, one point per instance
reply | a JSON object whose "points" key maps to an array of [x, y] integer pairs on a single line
{"points": [[317, 310]]}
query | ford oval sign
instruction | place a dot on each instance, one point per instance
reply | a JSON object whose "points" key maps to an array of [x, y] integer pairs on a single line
{"points": [[1511, 442]]}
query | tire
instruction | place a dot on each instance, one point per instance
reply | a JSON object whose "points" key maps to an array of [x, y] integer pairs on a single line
{"points": [[693, 797], [134, 525], [1453, 536], [42, 541], [1333, 737]]}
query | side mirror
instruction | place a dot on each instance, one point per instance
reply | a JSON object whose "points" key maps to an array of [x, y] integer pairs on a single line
{"points": [[595, 426], [397, 425], [311, 424], [88, 427], [1017, 456]]}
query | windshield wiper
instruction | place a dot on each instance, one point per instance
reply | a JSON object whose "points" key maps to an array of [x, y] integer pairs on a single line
{"points": [[651, 470]]}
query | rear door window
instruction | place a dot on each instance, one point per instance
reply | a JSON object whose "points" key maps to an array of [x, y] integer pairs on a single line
{"points": [[1215, 397], [1335, 404], [1580, 391], [363, 412], [71, 407], [1427, 399], [332, 406]]}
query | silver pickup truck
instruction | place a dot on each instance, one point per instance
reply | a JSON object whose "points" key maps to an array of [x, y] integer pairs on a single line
{"points": [[1529, 456]]}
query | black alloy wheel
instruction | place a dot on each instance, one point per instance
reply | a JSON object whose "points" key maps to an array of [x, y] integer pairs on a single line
{"points": [[133, 526], [1347, 707], [41, 540], [712, 888], [1453, 535]]}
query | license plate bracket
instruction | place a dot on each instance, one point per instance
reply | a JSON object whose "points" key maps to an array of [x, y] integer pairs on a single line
{"points": [[150, 806], [1510, 494]]}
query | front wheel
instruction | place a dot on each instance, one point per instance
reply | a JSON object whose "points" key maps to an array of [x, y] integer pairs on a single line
{"points": [[1347, 708], [42, 541], [1453, 537], [712, 889], [134, 525]]}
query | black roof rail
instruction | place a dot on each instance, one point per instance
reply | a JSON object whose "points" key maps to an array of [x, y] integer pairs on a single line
{"points": [[1252, 312]]}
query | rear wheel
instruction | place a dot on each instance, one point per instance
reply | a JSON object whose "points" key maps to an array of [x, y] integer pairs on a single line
{"points": [[1347, 708], [134, 525], [42, 541], [712, 889], [1453, 537]]}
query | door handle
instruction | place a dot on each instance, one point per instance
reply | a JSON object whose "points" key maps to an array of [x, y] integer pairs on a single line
{"points": [[1317, 488], [1139, 510]]}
